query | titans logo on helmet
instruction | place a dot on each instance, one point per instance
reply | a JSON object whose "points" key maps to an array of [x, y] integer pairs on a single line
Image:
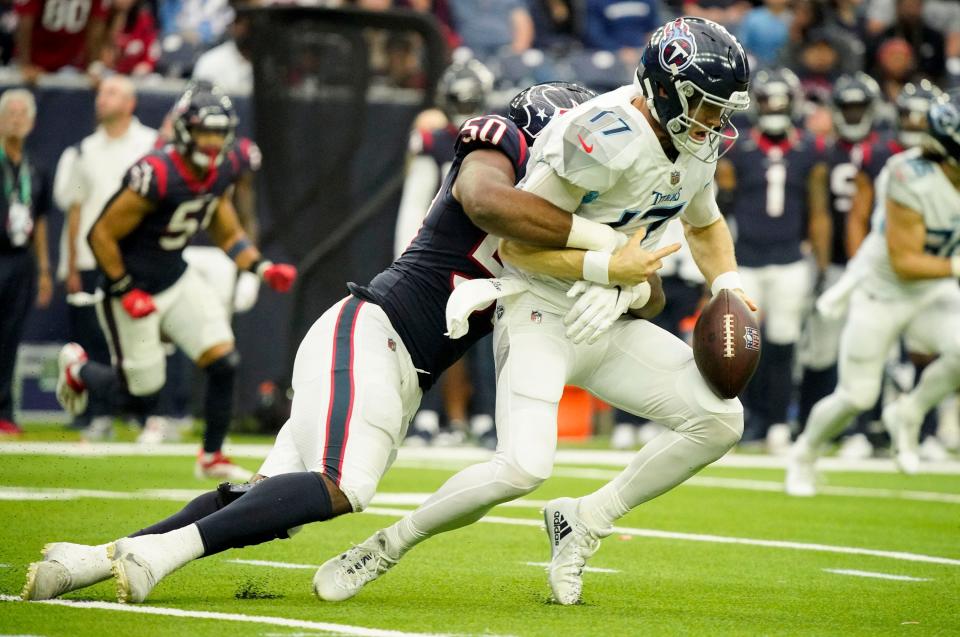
{"points": [[678, 47], [946, 120]]}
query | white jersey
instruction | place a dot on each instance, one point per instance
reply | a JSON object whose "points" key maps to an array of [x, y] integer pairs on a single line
{"points": [[608, 149], [89, 174], [919, 184]]}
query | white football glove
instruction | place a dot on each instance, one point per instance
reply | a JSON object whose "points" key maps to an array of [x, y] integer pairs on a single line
{"points": [[599, 307]]}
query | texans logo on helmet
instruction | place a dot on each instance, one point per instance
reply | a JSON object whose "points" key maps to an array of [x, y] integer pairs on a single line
{"points": [[678, 46]]}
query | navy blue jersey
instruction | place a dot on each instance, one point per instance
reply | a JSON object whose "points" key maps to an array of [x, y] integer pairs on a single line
{"points": [[844, 162], [183, 205], [414, 290], [437, 144], [770, 201]]}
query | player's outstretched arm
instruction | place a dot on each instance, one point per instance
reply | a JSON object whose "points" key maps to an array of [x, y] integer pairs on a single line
{"points": [[485, 189], [226, 232], [712, 250], [629, 265], [861, 206], [820, 227], [122, 215], [906, 235]]}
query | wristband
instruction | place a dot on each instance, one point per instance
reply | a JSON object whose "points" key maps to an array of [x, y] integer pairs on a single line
{"points": [[590, 235], [596, 266], [238, 247], [955, 265], [641, 295], [119, 287], [260, 266], [726, 281]]}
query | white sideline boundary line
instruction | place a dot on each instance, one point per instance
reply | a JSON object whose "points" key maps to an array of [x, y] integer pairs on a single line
{"points": [[416, 498], [453, 457], [716, 539], [856, 573], [586, 569], [337, 629], [270, 564]]}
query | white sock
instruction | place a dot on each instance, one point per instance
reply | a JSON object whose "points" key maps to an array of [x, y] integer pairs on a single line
{"points": [[828, 418], [87, 564], [666, 461], [940, 378], [166, 552]]}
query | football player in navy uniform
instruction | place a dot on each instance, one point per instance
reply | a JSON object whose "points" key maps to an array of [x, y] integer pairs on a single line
{"points": [[360, 370], [778, 191], [462, 94], [854, 160], [138, 241]]}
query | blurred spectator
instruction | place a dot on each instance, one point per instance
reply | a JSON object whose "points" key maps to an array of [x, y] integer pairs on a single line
{"points": [[403, 67], [622, 26], [228, 65], [554, 24], [53, 34], [927, 43], [817, 61], [764, 30], [88, 174], [198, 22], [896, 65], [8, 26], [729, 13], [132, 45], [440, 10], [488, 27], [24, 278]]}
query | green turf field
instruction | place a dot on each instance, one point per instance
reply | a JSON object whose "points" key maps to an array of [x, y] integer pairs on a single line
{"points": [[692, 579]]}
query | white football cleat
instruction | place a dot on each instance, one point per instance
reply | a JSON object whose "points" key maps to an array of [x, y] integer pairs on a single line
{"points": [[65, 567], [134, 568], [801, 479], [932, 450], [855, 447], [71, 392], [216, 465], [342, 577], [904, 430], [158, 430], [571, 544]]}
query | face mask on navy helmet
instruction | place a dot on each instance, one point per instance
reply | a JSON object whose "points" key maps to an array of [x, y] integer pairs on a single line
{"points": [[854, 103], [913, 104], [695, 76], [777, 100], [464, 90], [203, 107]]}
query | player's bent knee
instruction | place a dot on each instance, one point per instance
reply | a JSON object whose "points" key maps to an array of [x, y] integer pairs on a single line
{"points": [[514, 478], [145, 381], [859, 393]]}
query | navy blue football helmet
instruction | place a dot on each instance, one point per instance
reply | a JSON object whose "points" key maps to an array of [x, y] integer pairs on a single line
{"points": [[943, 122], [691, 67], [205, 107], [913, 104], [777, 99], [855, 98], [464, 90], [533, 108]]}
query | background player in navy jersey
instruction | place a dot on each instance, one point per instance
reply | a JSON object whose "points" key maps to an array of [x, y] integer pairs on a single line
{"points": [[854, 159], [361, 368], [138, 241], [778, 191]]}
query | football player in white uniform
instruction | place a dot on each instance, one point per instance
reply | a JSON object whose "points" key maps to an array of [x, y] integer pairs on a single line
{"points": [[910, 262], [633, 158]]}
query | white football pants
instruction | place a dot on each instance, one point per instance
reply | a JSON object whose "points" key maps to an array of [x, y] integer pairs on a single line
{"points": [[782, 292], [872, 328], [355, 391], [636, 366]]}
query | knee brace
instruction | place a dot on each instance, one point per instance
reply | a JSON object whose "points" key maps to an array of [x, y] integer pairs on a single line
{"points": [[225, 366]]}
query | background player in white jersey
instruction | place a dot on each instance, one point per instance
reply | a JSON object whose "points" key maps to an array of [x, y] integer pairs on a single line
{"points": [[633, 158], [908, 282]]}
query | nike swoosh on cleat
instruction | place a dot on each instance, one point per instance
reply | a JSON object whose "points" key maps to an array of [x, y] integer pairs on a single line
{"points": [[588, 149]]}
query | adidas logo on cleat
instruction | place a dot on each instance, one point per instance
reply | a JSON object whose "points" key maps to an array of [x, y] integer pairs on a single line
{"points": [[560, 528]]}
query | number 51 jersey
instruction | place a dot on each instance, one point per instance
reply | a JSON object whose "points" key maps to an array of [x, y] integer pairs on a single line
{"points": [[448, 249], [183, 204]]}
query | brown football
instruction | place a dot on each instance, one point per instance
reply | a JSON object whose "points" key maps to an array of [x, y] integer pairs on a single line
{"points": [[726, 344]]}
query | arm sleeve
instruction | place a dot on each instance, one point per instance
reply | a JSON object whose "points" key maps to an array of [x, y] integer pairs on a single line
{"points": [[419, 187], [703, 209]]}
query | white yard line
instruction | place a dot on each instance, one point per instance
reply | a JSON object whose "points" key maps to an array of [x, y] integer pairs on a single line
{"points": [[452, 457], [289, 565], [586, 569], [338, 629], [899, 578], [717, 539]]}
